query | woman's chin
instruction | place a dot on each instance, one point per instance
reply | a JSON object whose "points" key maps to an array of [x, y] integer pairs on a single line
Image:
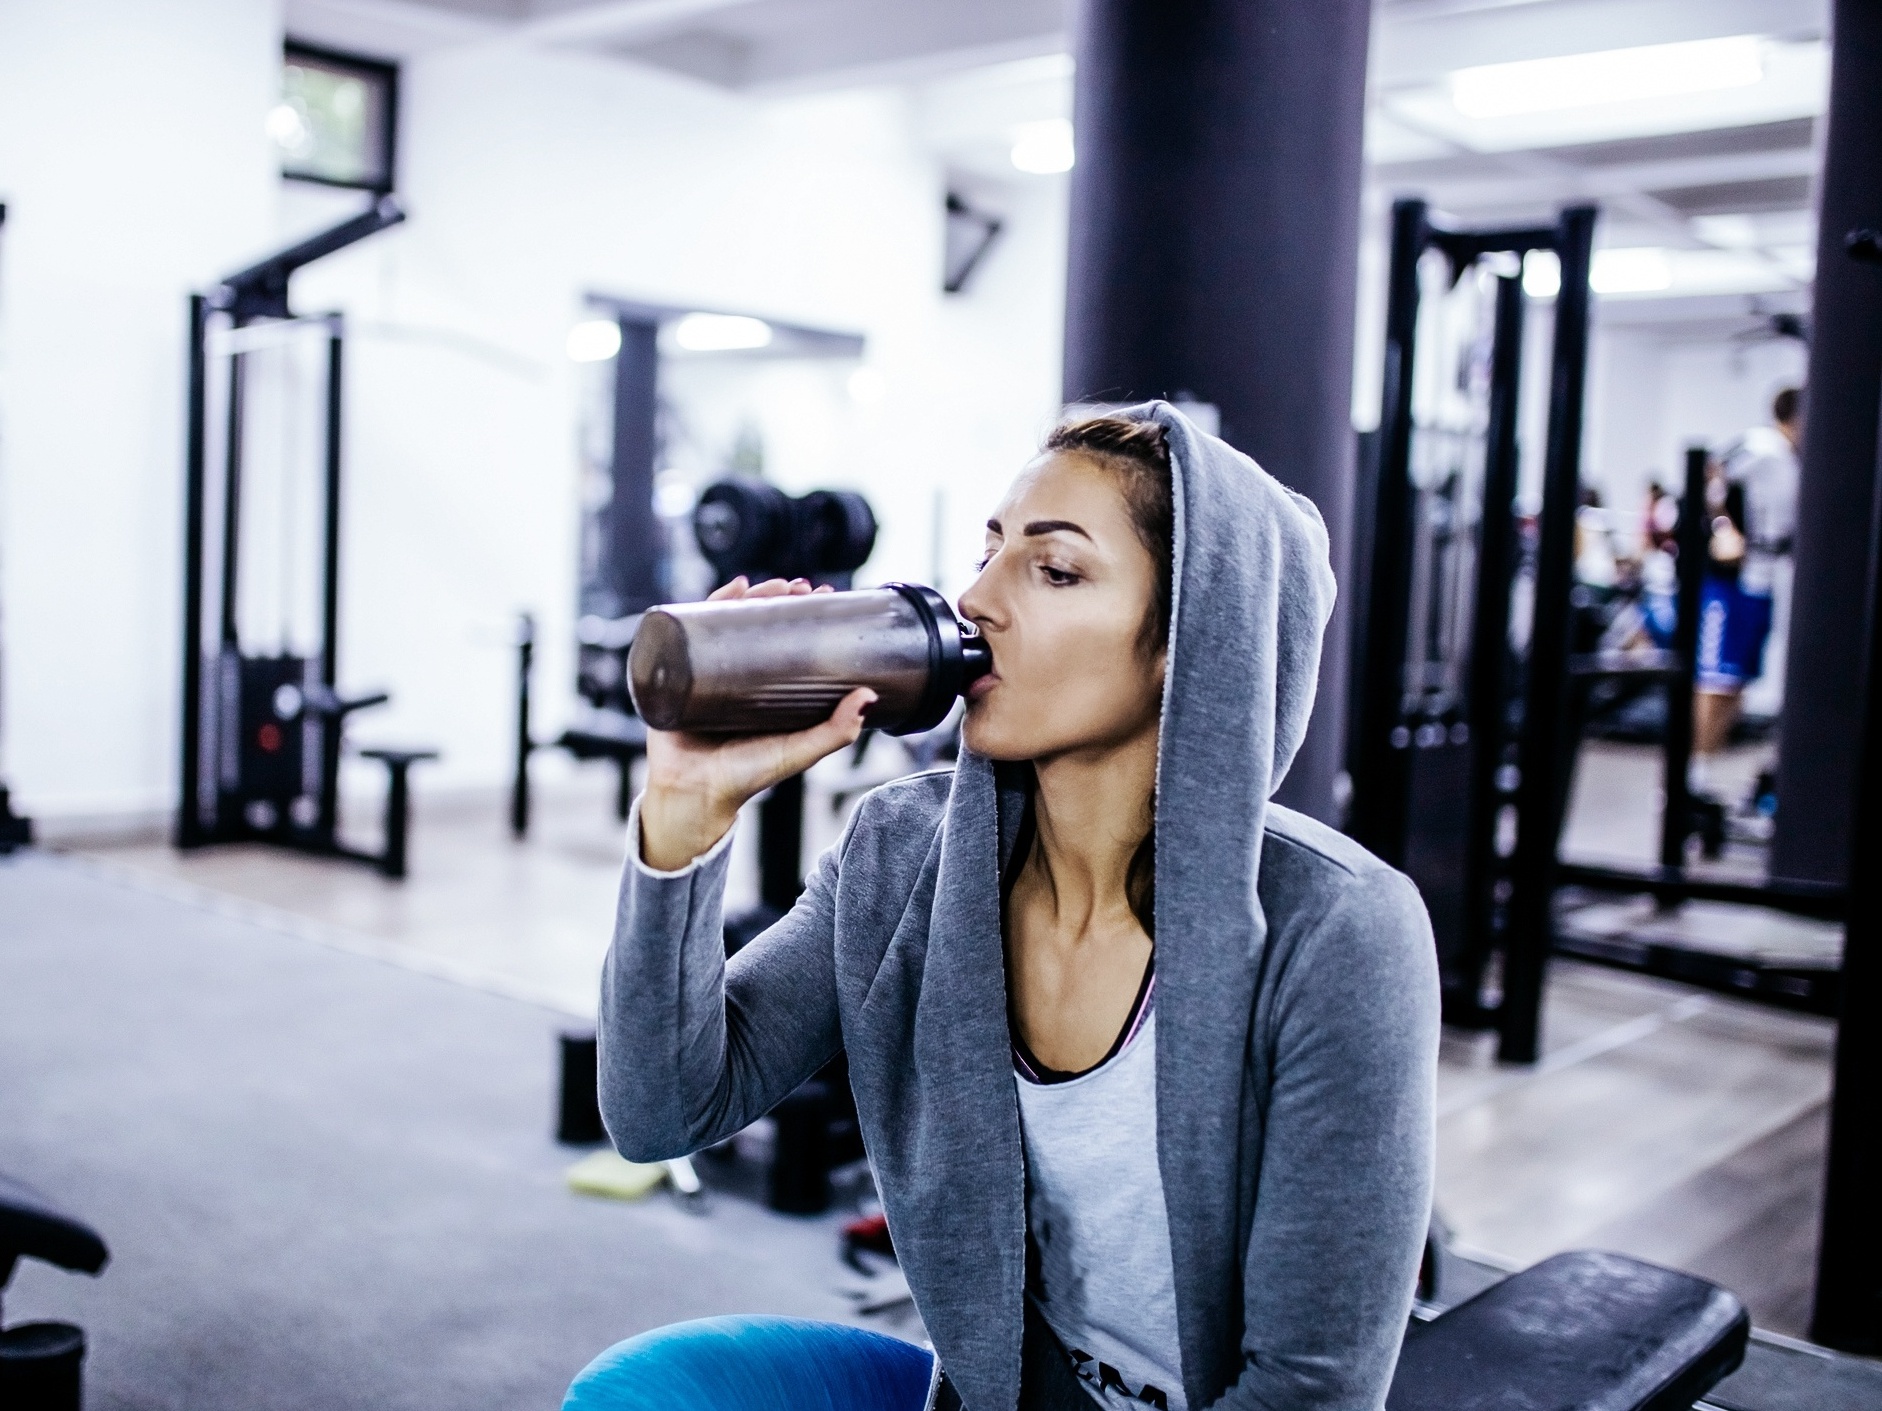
{"points": [[983, 735]]}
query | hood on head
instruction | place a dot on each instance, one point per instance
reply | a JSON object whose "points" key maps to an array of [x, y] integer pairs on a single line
{"points": [[1252, 594]]}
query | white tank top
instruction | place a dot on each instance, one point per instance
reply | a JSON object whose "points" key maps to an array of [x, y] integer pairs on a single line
{"points": [[1095, 1211]]}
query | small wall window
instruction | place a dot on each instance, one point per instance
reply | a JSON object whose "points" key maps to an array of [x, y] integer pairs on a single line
{"points": [[337, 119]]}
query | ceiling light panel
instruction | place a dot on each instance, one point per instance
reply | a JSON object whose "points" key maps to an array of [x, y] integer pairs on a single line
{"points": [[721, 333], [1615, 95], [1608, 76]]}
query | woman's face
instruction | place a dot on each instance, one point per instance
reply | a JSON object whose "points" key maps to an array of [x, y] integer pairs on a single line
{"points": [[1061, 599]]}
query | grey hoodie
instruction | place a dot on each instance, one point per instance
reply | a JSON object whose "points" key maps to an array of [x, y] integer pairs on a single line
{"points": [[1297, 1006]]}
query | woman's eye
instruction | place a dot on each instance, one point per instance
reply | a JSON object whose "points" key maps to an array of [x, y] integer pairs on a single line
{"points": [[980, 564], [1058, 577]]}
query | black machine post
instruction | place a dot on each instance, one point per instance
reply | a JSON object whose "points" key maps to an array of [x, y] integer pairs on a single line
{"points": [[1488, 704], [525, 743], [781, 845], [1379, 772], [1540, 757], [1822, 722], [1848, 1311], [1676, 817], [261, 743]]}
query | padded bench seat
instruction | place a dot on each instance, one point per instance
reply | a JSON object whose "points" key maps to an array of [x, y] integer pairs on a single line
{"points": [[1586, 1331]]}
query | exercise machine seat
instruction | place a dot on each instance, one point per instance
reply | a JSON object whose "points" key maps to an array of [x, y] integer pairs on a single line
{"points": [[1585, 1331], [31, 1226]]}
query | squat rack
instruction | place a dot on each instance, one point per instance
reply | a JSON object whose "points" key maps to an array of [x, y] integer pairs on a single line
{"points": [[1416, 754]]}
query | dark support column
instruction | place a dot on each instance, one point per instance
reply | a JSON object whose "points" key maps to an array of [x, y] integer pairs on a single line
{"points": [[1676, 816], [1822, 718], [1546, 706], [1848, 1311], [631, 556], [1214, 238], [1381, 769]]}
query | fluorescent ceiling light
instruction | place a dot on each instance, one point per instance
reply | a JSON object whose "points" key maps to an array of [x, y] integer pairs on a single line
{"points": [[1043, 147], [1608, 76], [720, 333], [1640, 270], [595, 341]]}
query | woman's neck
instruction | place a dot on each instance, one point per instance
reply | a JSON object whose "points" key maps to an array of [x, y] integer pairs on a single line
{"points": [[1091, 809]]}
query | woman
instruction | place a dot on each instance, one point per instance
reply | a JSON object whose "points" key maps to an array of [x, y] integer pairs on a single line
{"points": [[1144, 1063]]}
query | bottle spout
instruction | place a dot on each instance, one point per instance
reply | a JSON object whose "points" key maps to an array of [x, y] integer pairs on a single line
{"points": [[976, 659]]}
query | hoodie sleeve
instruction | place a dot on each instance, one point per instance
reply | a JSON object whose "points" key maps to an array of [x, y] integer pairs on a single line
{"points": [[1346, 1169], [693, 1048]]}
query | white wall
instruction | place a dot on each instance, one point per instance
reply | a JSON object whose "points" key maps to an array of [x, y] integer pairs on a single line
{"points": [[531, 178], [134, 167], [1651, 396], [1715, 390], [1623, 441]]}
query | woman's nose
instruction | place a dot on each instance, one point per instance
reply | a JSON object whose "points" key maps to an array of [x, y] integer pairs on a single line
{"points": [[976, 602]]}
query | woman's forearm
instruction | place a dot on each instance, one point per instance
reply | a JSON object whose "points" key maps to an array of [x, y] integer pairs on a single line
{"points": [[693, 1048]]}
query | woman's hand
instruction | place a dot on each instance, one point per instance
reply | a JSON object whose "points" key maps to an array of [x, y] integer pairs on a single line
{"points": [[696, 784]]}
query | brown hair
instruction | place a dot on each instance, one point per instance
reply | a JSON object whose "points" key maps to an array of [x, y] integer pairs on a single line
{"points": [[1138, 454], [1784, 406]]}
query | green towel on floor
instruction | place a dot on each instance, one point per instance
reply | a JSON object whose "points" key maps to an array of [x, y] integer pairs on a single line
{"points": [[605, 1173]]}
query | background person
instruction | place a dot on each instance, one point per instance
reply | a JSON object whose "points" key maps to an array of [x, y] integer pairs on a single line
{"points": [[1745, 600], [1144, 1063]]}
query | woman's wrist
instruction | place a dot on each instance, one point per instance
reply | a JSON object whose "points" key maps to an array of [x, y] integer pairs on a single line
{"points": [[676, 828]]}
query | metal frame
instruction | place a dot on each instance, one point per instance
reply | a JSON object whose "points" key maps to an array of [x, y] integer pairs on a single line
{"points": [[1848, 1312], [1813, 989], [212, 805], [1389, 729], [1541, 795]]}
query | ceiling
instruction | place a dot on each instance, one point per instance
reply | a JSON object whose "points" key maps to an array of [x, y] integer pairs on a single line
{"points": [[1720, 181]]}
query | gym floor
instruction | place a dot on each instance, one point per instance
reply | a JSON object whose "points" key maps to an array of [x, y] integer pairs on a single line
{"points": [[1682, 1127]]}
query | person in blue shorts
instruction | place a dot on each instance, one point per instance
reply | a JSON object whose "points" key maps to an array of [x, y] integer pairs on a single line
{"points": [[1753, 499]]}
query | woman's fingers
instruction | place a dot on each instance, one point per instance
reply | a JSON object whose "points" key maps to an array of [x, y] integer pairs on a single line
{"points": [[779, 588], [799, 751], [743, 587]]}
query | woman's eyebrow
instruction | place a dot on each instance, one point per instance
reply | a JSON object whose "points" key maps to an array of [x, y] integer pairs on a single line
{"points": [[1053, 526]]}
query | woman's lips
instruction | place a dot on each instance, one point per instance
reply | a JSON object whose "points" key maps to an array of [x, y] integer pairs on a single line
{"points": [[982, 686]]}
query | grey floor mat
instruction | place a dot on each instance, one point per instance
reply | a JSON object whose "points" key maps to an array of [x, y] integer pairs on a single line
{"points": [[326, 1182]]}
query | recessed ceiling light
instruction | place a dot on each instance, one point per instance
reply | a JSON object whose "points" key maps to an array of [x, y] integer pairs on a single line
{"points": [[595, 341], [1608, 76], [720, 333], [1043, 147], [1639, 270]]}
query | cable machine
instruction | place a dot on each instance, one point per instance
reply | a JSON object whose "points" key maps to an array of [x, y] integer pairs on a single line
{"points": [[262, 719]]}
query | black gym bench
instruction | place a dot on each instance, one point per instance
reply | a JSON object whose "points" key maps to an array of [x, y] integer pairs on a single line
{"points": [[40, 1363]]}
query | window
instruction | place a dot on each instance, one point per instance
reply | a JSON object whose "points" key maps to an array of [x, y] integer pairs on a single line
{"points": [[336, 120]]}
